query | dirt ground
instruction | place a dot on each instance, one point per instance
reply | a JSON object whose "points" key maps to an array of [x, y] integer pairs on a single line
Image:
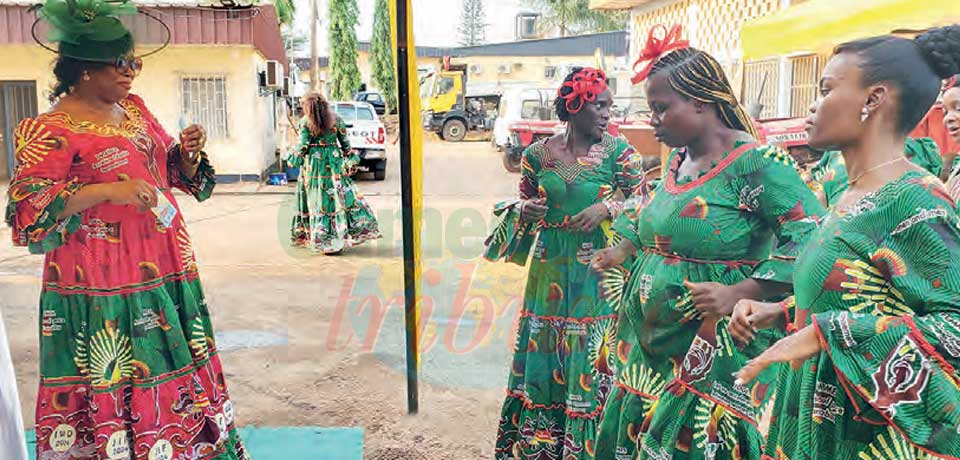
{"points": [[316, 341]]}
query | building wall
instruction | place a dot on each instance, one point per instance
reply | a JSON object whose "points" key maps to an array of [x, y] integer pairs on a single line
{"points": [[363, 63], [520, 68], [250, 145], [714, 26]]}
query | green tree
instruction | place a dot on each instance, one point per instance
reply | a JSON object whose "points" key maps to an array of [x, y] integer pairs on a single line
{"points": [[286, 9], [344, 74], [473, 29], [381, 55], [574, 17]]}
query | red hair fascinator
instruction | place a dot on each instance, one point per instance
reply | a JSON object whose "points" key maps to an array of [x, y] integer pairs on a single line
{"points": [[585, 86], [657, 47]]}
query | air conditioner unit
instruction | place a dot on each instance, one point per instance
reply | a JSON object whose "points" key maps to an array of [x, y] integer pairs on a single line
{"points": [[476, 69], [504, 69], [274, 74]]}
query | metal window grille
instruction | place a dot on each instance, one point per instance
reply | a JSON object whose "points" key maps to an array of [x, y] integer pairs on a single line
{"points": [[805, 77], [761, 81], [204, 102]]}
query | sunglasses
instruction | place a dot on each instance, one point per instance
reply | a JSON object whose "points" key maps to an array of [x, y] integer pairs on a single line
{"points": [[132, 65]]}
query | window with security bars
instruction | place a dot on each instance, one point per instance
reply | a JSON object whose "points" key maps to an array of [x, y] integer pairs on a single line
{"points": [[204, 102], [761, 81], [804, 83]]}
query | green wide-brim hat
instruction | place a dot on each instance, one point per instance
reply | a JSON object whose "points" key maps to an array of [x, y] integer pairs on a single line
{"points": [[89, 30]]}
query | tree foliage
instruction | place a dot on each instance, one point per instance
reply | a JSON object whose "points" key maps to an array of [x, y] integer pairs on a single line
{"points": [[473, 28], [381, 55], [344, 73], [574, 17]]}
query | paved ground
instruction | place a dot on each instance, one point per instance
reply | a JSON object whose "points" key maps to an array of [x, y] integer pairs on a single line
{"points": [[314, 340]]}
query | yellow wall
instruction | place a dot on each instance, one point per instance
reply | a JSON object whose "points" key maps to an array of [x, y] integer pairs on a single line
{"points": [[523, 68], [250, 145], [710, 25]]}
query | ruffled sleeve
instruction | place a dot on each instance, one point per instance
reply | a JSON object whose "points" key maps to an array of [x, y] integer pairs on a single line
{"points": [[630, 178], [512, 237], [41, 185], [774, 191], [900, 353], [201, 185], [925, 153], [350, 157], [297, 157]]}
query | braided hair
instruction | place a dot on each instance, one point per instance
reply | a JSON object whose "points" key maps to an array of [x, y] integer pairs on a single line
{"points": [[696, 75], [320, 119], [915, 67]]}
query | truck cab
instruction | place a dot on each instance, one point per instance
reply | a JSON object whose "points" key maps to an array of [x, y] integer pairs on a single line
{"points": [[452, 109]]}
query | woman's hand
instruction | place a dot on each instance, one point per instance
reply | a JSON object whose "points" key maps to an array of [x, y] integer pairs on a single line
{"points": [[713, 299], [794, 348], [533, 210], [605, 259], [588, 219], [192, 141], [134, 192], [750, 316]]}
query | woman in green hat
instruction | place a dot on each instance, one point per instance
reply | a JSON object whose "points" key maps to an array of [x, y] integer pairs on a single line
{"points": [[128, 365]]}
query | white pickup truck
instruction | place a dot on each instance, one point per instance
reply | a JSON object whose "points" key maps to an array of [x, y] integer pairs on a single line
{"points": [[367, 136]]}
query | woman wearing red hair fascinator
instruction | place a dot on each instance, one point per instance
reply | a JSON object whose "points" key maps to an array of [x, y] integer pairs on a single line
{"points": [[725, 224], [562, 364]]}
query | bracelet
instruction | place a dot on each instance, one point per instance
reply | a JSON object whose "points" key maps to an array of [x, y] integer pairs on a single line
{"points": [[785, 305], [185, 158], [614, 208]]}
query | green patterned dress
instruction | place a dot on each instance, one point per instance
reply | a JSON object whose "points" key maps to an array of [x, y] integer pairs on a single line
{"points": [[331, 214], [880, 282], [830, 174], [562, 369], [674, 395]]}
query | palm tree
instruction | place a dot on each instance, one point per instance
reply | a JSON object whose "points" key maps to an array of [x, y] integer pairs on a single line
{"points": [[286, 9], [571, 17]]}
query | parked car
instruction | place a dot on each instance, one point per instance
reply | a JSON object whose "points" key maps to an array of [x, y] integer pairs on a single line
{"points": [[367, 136], [373, 98]]}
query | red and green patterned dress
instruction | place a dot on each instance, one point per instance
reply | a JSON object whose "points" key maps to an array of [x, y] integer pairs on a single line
{"points": [[128, 364], [746, 217], [880, 282], [563, 360]]}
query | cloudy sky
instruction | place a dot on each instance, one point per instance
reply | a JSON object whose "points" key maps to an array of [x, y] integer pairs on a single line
{"points": [[435, 21]]}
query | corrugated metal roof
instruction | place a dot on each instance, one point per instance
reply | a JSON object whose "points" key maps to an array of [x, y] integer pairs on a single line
{"points": [[188, 26], [422, 51], [159, 3]]}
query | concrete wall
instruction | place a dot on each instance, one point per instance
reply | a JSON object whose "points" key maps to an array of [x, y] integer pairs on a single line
{"points": [[250, 145], [521, 68]]}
